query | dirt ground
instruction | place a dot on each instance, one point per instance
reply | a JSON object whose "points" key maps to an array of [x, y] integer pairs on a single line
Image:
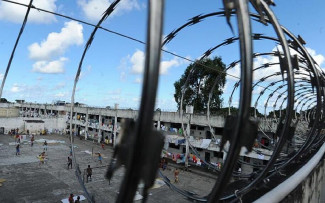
{"points": [[28, 181]]}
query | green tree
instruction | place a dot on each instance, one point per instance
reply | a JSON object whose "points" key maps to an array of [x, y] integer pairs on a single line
{"points": [[4, 100], [200, 83]]}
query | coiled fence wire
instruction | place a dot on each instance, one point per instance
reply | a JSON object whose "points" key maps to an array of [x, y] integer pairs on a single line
{"points": [[289, 85]]}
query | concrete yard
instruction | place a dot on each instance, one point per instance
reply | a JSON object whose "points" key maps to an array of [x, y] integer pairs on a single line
{"points": [[27, 181]]}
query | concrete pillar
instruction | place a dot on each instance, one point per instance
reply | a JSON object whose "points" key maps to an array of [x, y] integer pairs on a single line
{"points": [[99, 128], [115, 129], [158, 125], [86, 126], [39, 112], [189, 111], [188, 132], [75, 122]]}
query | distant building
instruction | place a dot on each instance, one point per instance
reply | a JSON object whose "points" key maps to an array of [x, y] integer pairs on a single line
{"points": [[20, 101]]}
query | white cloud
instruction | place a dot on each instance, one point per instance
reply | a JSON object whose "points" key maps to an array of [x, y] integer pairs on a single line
{"points": [[16, 13], [93, 9], [123, 76], [57, 43], [60, 85], [137, 63], [56, 66], [16, 88], [272, 69], [166, 65], [115, 92], [61, 94], [1, 76], [136, 99], [138, 81], [320, 59], [258, 90]]}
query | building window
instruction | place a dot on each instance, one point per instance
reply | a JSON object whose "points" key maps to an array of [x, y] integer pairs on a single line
{"points": [[218, 154], [200, 127], [172, 145], [247, 159]]}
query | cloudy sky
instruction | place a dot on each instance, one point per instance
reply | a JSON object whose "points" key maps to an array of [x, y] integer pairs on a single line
{"points": [[48, 54]]}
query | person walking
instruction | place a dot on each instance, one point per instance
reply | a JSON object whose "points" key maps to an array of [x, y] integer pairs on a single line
{"points": [[69, 162], [32, 141], [18, 149], [77, 200], [41, 158], [71, 198], [103, 145], [45, 145], [176, 173], [100, 158], [89, 172]]}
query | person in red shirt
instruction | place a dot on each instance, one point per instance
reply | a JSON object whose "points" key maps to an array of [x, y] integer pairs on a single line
{"points": [[71, 198], [103, 145]]}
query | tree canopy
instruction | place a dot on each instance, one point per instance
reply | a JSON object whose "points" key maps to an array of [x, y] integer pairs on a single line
{"points": [[200, 83], [4, 100]]}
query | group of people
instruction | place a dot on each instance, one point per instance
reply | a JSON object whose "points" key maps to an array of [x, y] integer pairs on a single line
{"points": [[13, 131], [71, 200], [163, 165]]}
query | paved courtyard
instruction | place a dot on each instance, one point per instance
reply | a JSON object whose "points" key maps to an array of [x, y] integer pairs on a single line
{"points": [[27, 181]]}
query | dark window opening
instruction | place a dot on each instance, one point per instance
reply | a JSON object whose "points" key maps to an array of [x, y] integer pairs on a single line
{"points": [[218, 131], [207, 156], [200, 127], [247, 159], [172, 145], [176, 125], [208, 135], [218, 154]]}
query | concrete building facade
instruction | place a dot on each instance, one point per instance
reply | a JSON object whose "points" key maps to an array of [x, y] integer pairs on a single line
{"points": [[102, 124]]}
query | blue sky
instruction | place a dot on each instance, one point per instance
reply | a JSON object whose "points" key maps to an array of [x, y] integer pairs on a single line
{"points": [[47, 56]]}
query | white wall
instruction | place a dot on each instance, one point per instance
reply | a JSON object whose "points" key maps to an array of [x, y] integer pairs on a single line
{"points": [[12, 123], [34, 127], [49, 123]]}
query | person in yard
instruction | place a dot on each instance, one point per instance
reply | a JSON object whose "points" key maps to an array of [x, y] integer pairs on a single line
{"points": [[71, 198], [176, 173], [103, 145], [89, 172], [32, 141], [77, 200], [41, 158], [45, 145], [69, 162], [18, 149], [100, 158]]}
